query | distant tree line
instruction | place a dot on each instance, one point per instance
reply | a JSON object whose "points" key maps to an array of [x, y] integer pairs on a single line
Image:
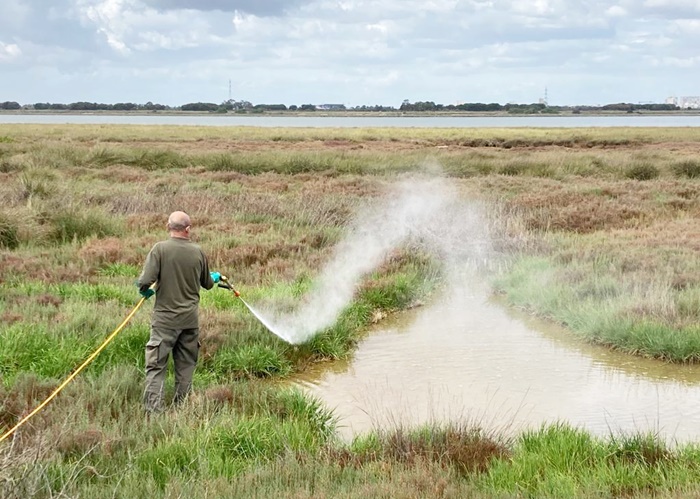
{"points": [[94, 106], [530, 108], [407, 106], [636, 107], [473, 106]]}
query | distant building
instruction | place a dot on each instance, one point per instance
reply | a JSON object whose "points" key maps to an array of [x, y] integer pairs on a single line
{"points": [[685, 102], [330, 107], [689, 102]]}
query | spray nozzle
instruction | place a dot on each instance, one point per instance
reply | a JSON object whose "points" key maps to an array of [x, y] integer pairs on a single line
{"points": [[224, 283]]}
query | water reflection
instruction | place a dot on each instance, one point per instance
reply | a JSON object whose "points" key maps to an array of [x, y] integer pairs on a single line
{"points": [[470, 358]]}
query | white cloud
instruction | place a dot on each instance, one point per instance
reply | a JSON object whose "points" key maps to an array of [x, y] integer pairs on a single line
{"points": [[677, 62], [534, 7], [615, 11], [9, 52], [265, 8], [108, 16], [131, 25], [14, 12], [390, 78], [673, 4], [382, 28], [688, 26]]}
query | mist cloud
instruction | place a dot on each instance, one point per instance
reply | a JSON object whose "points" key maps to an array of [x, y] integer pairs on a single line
{"points": [[425, 213]]}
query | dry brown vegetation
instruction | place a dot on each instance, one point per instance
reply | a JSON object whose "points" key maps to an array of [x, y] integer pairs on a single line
{"points": [[466, 449], [589, 205]]}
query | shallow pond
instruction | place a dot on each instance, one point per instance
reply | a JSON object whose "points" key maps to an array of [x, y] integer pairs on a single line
{"points": [[471, 358]]}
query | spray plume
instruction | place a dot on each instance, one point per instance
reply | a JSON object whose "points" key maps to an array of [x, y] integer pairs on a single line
{"points": [[417, 209]]}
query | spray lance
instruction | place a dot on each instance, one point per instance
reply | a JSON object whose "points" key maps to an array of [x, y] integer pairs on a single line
{"points": [[225, 283]]}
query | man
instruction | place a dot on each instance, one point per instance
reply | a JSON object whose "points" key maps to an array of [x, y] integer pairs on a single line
{"points": [[178, 267]]}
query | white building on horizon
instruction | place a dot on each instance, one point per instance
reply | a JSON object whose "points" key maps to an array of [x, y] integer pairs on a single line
{"points": [[689, 102], [685, 102]]}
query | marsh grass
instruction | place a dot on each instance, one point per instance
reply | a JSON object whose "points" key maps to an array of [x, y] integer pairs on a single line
{"points": [[642, 171], [33, 184], [119, 270], [75, 224], [247, 150], [637, 314], [252, 360], [633, 291], [125, 134], [611, 255], [688, 168], [9, 233], [467, 449]]}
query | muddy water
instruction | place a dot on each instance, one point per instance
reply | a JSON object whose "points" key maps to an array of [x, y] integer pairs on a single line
{"points": [[471, 359]]}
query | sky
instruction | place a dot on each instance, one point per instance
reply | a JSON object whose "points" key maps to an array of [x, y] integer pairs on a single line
{"points": [[352, 52]]}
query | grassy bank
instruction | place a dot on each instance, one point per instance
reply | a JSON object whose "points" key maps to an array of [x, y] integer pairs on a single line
{"points": [[616, 262], [600, 232]]}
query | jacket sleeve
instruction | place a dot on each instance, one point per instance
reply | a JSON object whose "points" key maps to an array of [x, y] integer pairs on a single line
{"points": [[205, 279], [151, 269]]}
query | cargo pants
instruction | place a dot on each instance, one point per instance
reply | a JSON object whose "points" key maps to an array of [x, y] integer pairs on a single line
{"points": [[184, 346]]}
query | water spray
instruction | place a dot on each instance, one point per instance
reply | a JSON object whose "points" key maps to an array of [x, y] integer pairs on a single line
{"points": [[224, 283], [427, 212], [406, 214]]}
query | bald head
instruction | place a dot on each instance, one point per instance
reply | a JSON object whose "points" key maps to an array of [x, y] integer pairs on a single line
{"points": [[179, 223]]}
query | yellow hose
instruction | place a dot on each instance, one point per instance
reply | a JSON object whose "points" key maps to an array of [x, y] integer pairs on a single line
{"points": [[75, 373]]}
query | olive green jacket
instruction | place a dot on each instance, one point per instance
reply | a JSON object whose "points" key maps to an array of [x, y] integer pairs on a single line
{"points": [[179, 268]]}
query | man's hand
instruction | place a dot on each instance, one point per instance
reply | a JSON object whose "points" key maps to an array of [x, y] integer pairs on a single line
{"points": [[146, 293], [215, 276]]}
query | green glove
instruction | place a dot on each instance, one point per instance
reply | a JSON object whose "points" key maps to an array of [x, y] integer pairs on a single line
{"points": [[147, 293], [215, 276]]}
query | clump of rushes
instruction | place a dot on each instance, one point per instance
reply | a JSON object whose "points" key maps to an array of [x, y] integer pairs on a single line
{"points": [[157, 160], [467, 449], [104, 156], [688, 169], [75, 224], [9, 233], [642, 171]]}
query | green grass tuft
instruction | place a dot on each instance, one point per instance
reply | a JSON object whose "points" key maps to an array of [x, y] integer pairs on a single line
{"points": [[78, 225], [9, 233], [119, 269], [688, 169], [254, 360], [642, 171]]}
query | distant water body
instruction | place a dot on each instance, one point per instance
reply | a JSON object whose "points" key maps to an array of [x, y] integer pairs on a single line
{"points": [[361, 121]]}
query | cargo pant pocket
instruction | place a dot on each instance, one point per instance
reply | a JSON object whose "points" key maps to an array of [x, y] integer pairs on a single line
{"points": [[152, 353]]}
